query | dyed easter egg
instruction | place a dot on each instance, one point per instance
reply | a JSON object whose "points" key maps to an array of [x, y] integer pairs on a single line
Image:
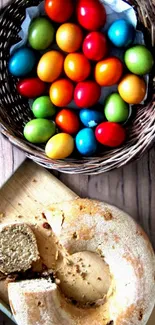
{"points": [[43, 108], [121, 33], [61, 92], [87, 93], [91, 14], [108, 71], [69, 37], [86, 143], [139, 59], [77, 67], [68, 121], [58, 10], [31, 87], [41, 33], [110, 134], [91, 118], [22, 62], [39, 130], [95, 46], [60, 146], [132, 89], [115, 109], [50, 66]]}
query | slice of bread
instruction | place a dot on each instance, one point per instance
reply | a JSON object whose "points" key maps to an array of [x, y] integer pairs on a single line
{"points": [[35, 302], [18, 248]]}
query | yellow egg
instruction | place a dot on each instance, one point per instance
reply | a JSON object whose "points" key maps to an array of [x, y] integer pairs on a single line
{"points": [[50, 66], [60, 146], [132, 89]]}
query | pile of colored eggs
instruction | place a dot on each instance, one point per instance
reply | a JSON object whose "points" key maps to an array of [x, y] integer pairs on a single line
{"points": [[72, 62]]}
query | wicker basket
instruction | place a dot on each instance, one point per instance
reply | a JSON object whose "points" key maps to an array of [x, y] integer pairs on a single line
{"points": [[15, 111]]}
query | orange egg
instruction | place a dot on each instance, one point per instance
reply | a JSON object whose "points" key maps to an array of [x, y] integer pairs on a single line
{"points": [[77, 67], [50, 66], [132, 89], [69, 37], [61, 92], [108, 71]]}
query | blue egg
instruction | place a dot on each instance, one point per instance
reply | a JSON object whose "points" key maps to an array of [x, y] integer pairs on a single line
{"points": [[22, 62], [86, 142], [121, 33], [91, 118]]}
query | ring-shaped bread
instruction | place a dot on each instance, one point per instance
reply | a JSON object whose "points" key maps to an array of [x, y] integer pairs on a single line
{"points": [[94, 227]]}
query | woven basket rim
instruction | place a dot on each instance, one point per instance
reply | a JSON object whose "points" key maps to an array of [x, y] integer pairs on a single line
{"points": [[92, 165]]}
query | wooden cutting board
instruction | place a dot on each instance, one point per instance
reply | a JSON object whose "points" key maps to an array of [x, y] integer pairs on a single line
{"points": [[24, 198]]}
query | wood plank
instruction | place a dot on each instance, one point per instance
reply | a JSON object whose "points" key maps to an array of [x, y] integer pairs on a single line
{"points": [[10, 159]]}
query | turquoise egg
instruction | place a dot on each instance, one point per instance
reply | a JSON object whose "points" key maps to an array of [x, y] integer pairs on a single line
{"points": [[91, 118], [22, 62], [121, 33], [86, 142]]}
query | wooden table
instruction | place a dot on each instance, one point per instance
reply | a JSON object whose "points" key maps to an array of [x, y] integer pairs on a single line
{"points": [[131, 188]]}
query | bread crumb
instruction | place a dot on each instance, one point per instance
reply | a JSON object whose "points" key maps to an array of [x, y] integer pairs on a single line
{"points": [[19, 204], [77, 269], [34, 180], [20, 217], [108, 215], [99, 251], [99, 279], [140, 315], [46, 225], [84, 274], [43, 215], [69, 262], [75, 236]]}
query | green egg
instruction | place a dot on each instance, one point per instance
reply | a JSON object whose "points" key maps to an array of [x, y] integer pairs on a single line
{"points": [[43, 108], [39, 130], [139, 60], [115, 109], [41, 33]]}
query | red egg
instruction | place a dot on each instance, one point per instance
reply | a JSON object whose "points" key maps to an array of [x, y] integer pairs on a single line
{"points": [[87, 93], [68, 121], [58, 10], [110, 134], [31, 87], [95, 46], [91, 14]]}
